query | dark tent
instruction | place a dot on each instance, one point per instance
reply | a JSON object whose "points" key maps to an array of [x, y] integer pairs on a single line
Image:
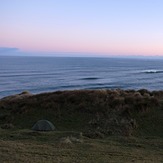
{"points": [[43, 125]]}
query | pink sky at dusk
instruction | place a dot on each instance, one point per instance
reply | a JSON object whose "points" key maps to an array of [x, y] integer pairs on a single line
{"points": [[101, 27]]}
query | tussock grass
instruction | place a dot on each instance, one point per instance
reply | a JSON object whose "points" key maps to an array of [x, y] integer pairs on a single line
{"points": [[94, 112]]}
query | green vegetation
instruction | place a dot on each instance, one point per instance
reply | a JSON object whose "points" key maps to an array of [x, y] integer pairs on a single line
{"points": [[92, 126]]}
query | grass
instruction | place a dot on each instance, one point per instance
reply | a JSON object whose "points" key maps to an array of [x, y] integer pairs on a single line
{"points": [[116, 126], [28, 146]]}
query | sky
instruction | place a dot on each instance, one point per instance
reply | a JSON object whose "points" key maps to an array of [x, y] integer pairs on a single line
{"points": [[81, 27]]}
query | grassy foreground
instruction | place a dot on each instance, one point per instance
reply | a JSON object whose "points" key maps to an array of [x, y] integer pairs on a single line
{"points": [[28, 146], [92, 126]]}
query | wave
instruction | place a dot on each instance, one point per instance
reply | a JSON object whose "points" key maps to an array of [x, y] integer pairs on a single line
{"points": [[90, 78], [29, 74], [152, 71]]}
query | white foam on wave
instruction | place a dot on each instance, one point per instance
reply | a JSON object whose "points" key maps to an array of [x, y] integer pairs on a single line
{"points": [[153, 71]]}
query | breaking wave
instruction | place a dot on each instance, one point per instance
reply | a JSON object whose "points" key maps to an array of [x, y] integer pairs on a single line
{"points": [[152, 71]]}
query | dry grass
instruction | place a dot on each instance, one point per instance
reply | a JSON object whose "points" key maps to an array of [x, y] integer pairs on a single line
{"points": [[111, 112]]}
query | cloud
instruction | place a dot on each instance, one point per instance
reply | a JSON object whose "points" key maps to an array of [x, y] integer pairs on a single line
{"points": [[8, 51]]}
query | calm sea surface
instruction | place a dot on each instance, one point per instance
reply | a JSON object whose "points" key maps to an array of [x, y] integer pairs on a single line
{"points": [[43, 74]]}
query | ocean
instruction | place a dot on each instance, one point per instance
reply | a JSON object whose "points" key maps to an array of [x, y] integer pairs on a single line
{"points": [[47, 74]]}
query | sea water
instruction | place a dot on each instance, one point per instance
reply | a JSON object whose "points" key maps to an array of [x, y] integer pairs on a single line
{"points": [[47, 74]]}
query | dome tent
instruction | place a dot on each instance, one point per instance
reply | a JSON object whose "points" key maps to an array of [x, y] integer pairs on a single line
{"points": [[43, 125]]}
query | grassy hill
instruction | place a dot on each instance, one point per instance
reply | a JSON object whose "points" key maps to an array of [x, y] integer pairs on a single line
{"points": [[96, 125]]}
